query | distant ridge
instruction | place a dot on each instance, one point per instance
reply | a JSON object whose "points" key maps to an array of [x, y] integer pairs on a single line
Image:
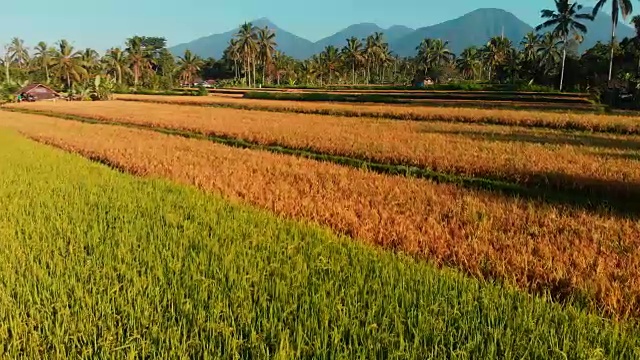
{"points": [[472, 29]]}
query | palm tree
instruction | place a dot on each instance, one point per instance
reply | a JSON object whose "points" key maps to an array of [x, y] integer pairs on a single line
{"points": [[352, 54], [44, 54], [232, 53], [248, 46], [548, 51], [370, 54], [378, 48], [618, 7], [424, 54], [138, 58], [90, 60], [496, 53], [189, 66], [636, 25], [331, 60], [469, 62], [67, 63], [267, 46], [6, 61], [440, 54], [529, 45], [18, 52], [564, 20], [116, 63]]}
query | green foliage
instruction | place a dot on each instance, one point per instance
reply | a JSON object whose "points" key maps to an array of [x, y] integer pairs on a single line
{"points": [[202, 91], [103, 88], [136, 268]]}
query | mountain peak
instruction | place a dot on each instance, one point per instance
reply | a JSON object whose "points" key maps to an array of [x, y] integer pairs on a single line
{"points": [[262, 22], [472, 29]]}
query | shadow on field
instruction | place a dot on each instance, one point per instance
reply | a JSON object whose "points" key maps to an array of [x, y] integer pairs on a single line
{"points": [[591, 140], [614, 155], [586, 193]]}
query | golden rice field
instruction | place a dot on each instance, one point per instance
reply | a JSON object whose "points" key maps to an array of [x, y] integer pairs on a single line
{"points": [[603, 163], [571, 253], [585, 122]]}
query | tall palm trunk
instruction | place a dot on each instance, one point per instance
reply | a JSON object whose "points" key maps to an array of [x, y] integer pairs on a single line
{"points": [[46, 71], [246, 72], [613, 41], [6, 69], [254, 72], [264, 68], [119, 74], [353, 69], [564, 58]]}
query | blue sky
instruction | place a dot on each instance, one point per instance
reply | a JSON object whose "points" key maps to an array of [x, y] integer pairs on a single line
{"points": [[102, 24]]}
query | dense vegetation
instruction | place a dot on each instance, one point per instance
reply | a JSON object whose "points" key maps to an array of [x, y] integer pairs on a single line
{"points": [[548, 59]]}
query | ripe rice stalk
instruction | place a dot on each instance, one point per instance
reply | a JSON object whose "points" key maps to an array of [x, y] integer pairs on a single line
{"points": [[561, 250]]}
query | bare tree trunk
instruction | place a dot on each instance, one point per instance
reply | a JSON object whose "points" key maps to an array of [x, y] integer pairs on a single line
{"points": [[613, 41]]}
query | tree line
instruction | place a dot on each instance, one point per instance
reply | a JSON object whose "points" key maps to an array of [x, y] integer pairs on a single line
{"points": [[549, 58]]}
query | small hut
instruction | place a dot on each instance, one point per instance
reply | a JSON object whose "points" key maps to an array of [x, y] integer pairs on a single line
{"points": [[37, 92]]}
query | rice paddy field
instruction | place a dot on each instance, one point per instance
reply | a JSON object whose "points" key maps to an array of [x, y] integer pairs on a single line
{"points": [[173, 227]]}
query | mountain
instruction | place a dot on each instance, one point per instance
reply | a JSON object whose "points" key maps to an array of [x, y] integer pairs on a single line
{"points": [[361, 31], [339, 39], [474, 28], [397, 31], [214, 45]]}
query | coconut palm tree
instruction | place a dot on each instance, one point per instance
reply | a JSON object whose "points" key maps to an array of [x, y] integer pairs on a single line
{"points": [[137, 57], [116, 62], [440, 53], [248, 47], [370, 54], [529, 45], [331, 60], [353, 55], [189, 66], [548, 51], [232, 54], [469, 62], [496, 53], [43, 55], [6, 62], [618, 7], [18, 52], [266, 47], [564, 20], [67, 63], [424, 57], [90, 60]]}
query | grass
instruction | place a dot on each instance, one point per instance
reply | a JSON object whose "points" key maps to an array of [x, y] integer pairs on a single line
{"points": [[590, 122], [100, 264], [577, 256], [600, 167]]}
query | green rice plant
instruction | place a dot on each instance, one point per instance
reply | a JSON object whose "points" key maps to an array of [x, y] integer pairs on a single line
{"points": [[98, 264]]}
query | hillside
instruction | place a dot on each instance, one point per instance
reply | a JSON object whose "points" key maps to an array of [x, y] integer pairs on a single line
{"points": [[361, 31], [600, 30], [474, 28], [214, 45]]}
